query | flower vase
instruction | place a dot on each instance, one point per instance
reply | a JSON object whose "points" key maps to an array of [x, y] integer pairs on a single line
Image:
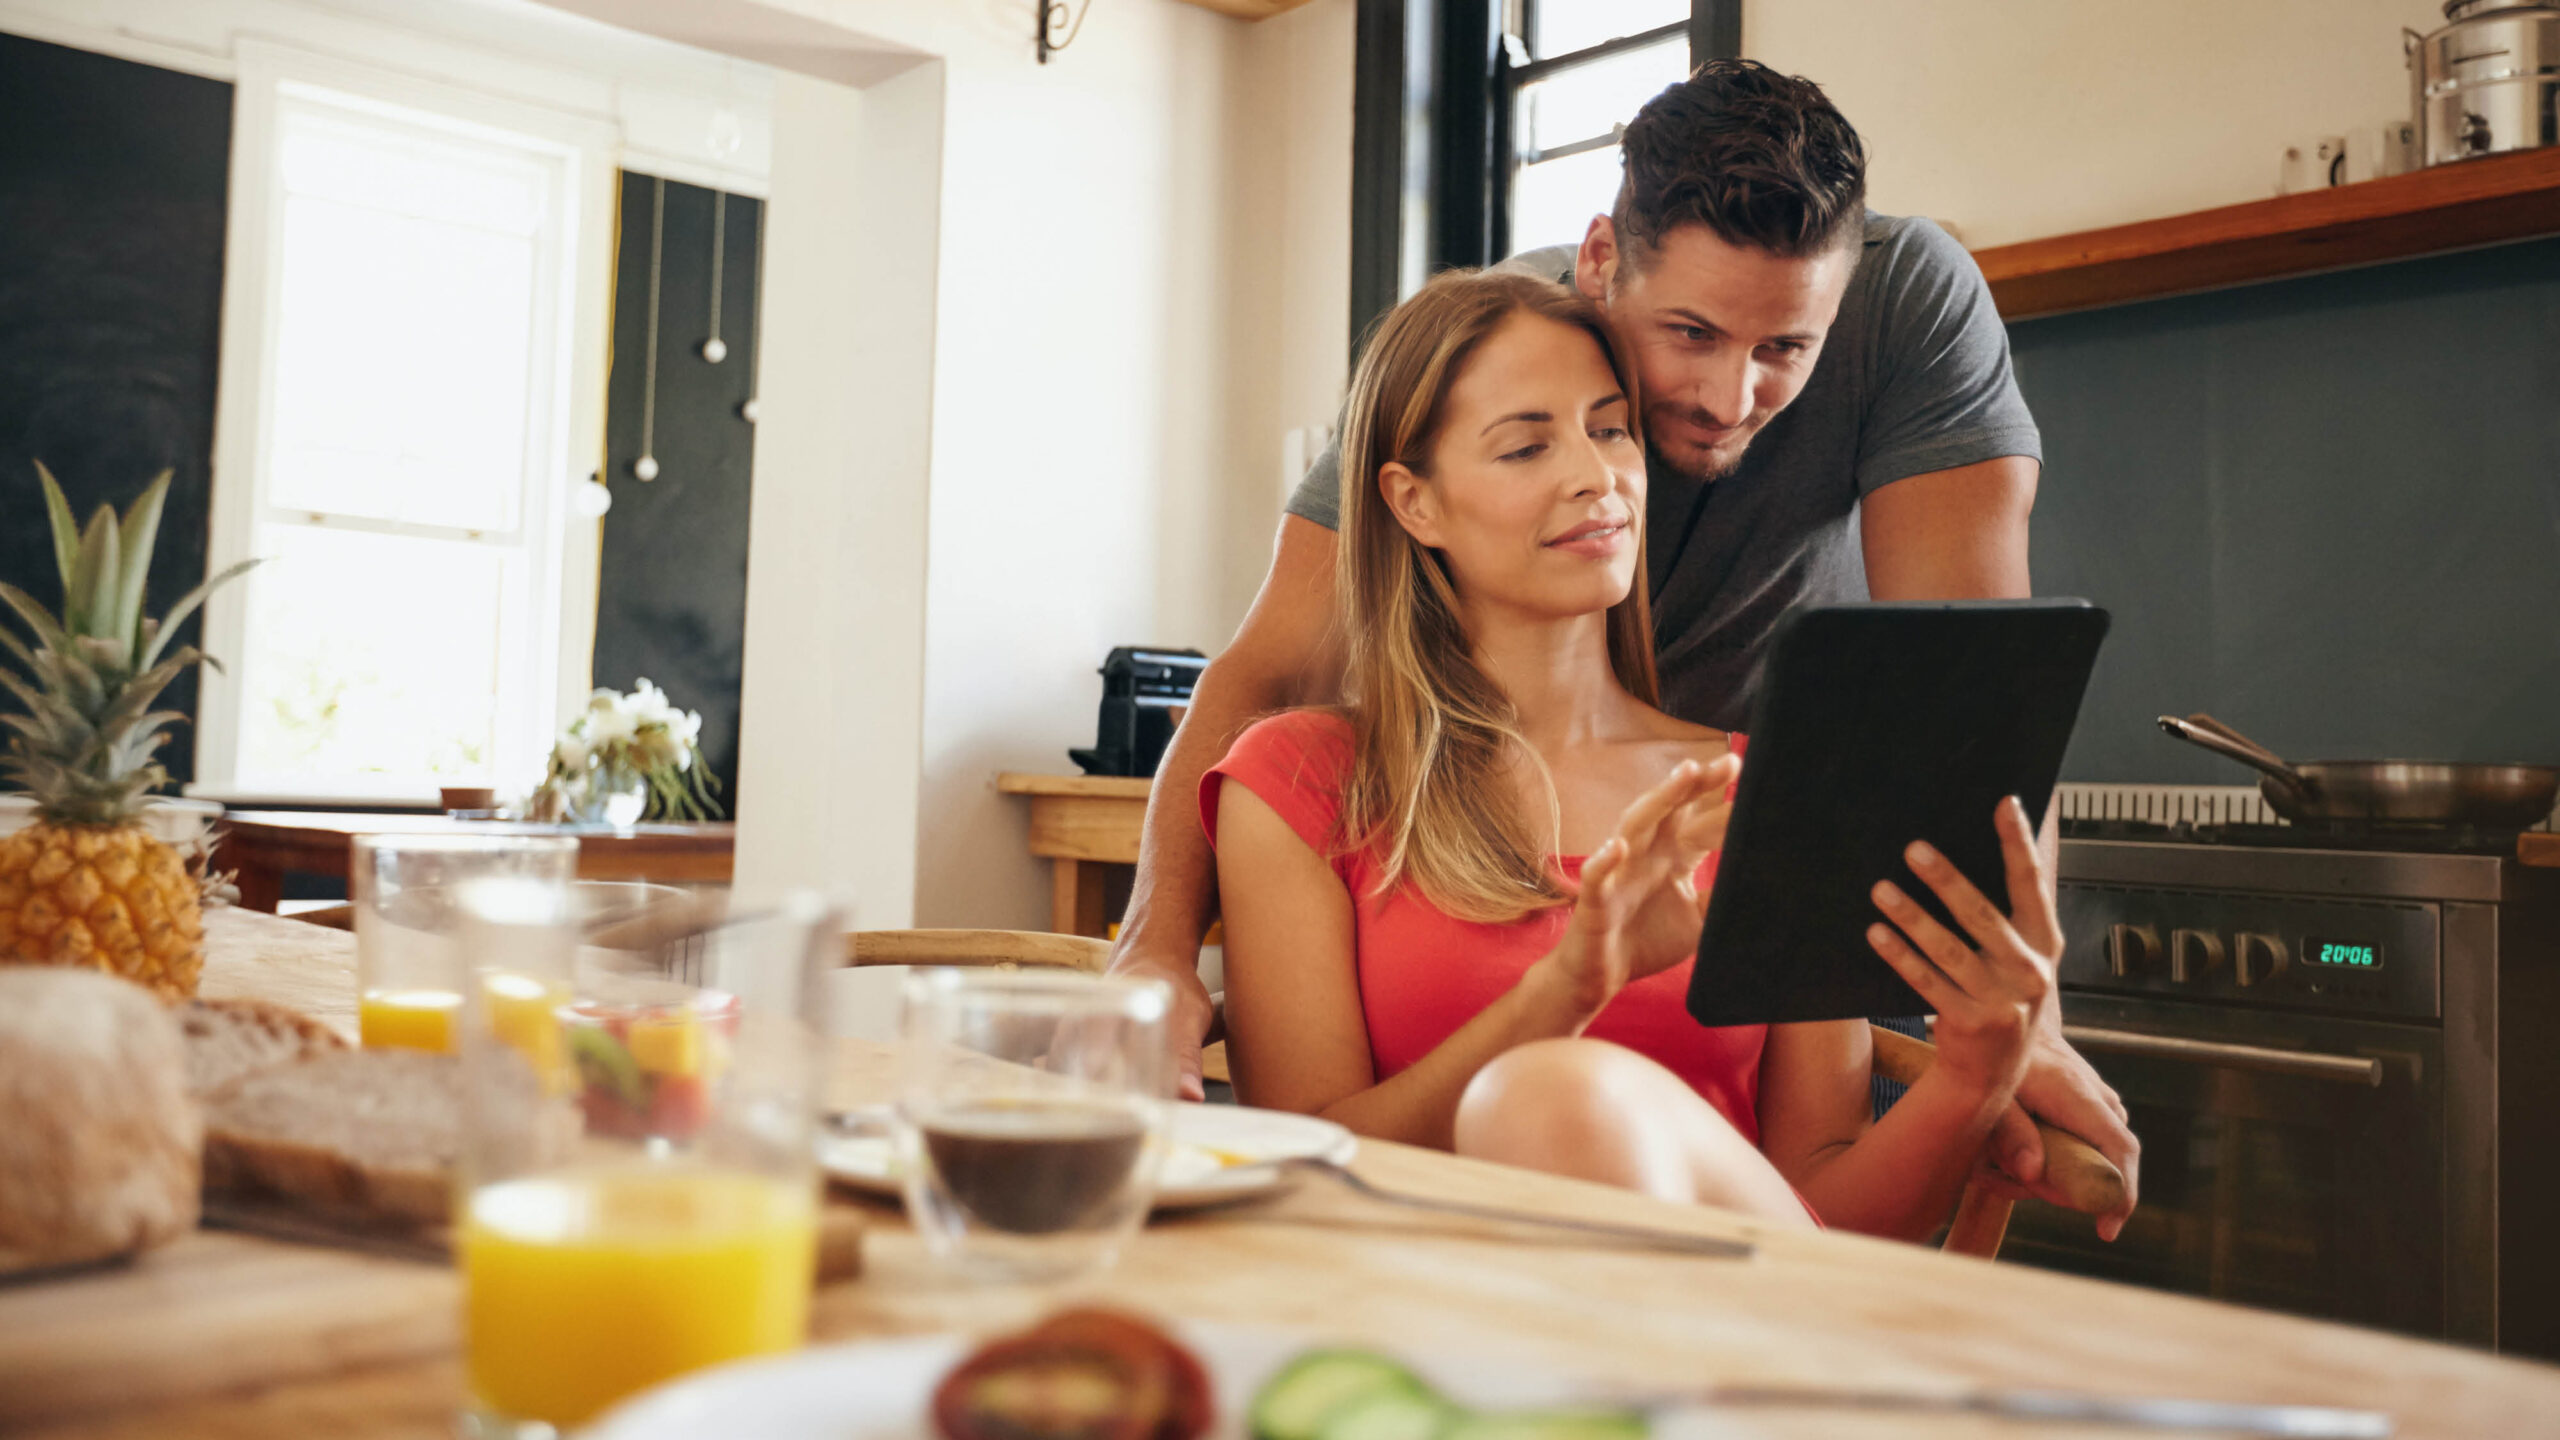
{"points": [[615, 795]]}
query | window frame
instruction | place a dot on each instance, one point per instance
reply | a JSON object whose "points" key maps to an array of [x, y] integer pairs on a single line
{"points": [[1433, 155], [561, 551]]}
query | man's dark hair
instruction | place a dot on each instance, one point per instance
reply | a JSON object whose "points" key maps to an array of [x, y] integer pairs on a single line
{"points": [[1760, 158]]}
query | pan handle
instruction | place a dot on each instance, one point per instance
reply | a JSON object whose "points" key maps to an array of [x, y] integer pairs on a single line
{"points": [[2247, 754], [2202, 721]]}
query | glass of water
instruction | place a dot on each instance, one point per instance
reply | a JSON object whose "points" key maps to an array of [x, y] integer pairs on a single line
{"points": [[1030, 1116]]}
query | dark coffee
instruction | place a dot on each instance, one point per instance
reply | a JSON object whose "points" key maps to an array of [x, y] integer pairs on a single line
{"points": [[1035, 1168]]}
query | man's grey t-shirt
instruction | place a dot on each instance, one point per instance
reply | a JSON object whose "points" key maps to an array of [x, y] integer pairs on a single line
{"points": [[1914, 377]]}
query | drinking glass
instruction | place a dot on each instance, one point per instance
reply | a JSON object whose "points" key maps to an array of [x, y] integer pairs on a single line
{"points": [[1028, 1116], [639, 1193], [409, 969]]}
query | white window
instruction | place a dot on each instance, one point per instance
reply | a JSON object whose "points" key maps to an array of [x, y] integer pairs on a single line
{"points": [[1592, 65], [411, 320]]}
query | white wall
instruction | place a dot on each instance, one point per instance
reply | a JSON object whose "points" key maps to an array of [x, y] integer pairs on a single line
{"points": [[1096, 469], [2016, 119], [831, 751], [661, 99], [1289, 193]]}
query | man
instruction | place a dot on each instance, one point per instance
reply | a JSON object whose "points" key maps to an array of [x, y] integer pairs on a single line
{"points": [[1830, 416]]}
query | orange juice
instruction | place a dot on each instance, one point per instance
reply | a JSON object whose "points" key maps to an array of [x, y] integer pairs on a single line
{"points": [[413, 1019], [524, 1012], [584, 1286]]}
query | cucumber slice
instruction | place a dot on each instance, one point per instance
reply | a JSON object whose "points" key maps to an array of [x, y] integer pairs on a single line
{"points": [[1296, 1403], [1548, 1425], [1397, 1413]]}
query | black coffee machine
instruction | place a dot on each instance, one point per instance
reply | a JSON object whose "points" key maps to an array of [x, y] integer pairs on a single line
{"points": [[1142, 685]]}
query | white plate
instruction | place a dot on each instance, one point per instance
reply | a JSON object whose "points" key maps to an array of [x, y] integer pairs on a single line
{"points": [[878, 1390], [1219, 1153]]}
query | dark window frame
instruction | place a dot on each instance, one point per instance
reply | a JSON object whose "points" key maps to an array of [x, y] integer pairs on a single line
{"points": [[1431, 143]]}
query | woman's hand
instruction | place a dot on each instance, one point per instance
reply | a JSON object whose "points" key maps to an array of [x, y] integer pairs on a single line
{"points": [[1989, 993], [1640, 906]]}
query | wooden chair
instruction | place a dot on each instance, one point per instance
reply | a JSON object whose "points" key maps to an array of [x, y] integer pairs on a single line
{"points": [[2088, 1182], [1005, 948]]}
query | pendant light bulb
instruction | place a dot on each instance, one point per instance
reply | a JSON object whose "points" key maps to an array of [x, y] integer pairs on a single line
{"points": [[591, 499], [646, 467], [714, 351]]}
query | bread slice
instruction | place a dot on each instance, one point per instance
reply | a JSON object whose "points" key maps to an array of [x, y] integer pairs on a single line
{"points": [[362, 1134], [227, 1039]]}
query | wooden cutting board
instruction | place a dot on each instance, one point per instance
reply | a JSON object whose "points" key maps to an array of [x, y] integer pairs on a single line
{"points": [[222, 1311]]}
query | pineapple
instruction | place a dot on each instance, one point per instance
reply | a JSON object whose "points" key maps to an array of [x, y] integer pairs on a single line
{"points": [[87, 884]]}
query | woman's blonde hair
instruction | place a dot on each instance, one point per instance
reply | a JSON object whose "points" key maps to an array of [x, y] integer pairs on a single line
{"points": [[1434, 733]]}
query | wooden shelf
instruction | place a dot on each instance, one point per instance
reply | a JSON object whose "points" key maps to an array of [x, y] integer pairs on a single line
{"points": [[1248, 9], [2451, 207]]}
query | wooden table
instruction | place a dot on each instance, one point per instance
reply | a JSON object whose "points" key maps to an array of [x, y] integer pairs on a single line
{"points": [[1082, 825], [170, 1348], [262, 845]]}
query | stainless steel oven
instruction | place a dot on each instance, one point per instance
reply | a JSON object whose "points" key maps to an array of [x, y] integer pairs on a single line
{"points": [[2342, 1067]]}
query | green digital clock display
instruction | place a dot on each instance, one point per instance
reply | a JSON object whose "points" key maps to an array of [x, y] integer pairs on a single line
{"points": [[2342, 954]]}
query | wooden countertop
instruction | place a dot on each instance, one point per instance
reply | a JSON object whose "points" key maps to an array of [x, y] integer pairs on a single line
{"points": [[1811, 1309]]}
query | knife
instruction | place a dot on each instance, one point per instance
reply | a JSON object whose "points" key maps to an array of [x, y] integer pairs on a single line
{"points": [[2293, 1422]]}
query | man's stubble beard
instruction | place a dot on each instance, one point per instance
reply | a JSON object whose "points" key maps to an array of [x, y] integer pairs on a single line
{"points": [[1659, 463]]}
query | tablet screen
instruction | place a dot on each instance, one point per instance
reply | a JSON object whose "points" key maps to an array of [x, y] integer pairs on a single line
{"points": [[1877, 725]]}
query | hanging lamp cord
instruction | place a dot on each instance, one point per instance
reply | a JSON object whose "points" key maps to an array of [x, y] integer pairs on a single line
{"points": [[649, 360], [719, 237]]}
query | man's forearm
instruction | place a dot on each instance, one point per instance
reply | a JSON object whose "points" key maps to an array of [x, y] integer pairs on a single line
{"points": [[1176, 890], [1175, 895], [1280, 657]]}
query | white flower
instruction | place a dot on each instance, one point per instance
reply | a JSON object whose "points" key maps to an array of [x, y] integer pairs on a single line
{"points": [[609, 727], [570, 754], [650, 703]]}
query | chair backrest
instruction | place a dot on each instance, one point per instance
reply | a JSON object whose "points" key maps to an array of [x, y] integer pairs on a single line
{"points": [[2088, 1180], [977, 947]]}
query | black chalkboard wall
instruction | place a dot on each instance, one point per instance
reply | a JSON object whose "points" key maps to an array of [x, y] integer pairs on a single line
{"points": [[112, 179], [672, 604], [2326, 510]]}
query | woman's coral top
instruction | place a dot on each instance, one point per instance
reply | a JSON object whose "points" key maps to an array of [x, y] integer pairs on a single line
{"points": [[1424, 973]]}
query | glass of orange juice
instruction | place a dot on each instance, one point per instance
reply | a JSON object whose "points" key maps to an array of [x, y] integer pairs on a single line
{"points": [[409, 967], [677, 1227]]}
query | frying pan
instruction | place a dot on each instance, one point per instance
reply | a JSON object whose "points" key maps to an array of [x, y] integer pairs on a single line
{"points": [[2383, 792]]}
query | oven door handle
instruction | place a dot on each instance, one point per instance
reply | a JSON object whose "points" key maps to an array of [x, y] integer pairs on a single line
{"points": [[2309, 1064]]}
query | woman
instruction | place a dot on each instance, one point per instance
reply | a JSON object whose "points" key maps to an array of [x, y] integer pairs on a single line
{"points": [[1460, 908]]}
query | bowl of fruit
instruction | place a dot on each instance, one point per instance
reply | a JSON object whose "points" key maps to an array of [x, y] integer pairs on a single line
{"points": [[646, 1070]]}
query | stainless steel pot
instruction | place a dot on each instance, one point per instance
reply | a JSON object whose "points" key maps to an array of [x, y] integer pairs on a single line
{"points": [[2383, 792], [2488, 82]]}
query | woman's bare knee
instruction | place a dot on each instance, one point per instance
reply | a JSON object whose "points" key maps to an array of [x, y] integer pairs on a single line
{"points": [[1597, 1111], [1582, 1108]]}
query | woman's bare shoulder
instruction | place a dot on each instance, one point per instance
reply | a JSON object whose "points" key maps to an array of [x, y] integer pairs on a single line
{"points": [[1679, 738]]}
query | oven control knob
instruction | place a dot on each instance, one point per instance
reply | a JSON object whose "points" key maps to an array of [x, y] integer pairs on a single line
{"points": [[2132, 950], [2256, 957], [2193, 954]]}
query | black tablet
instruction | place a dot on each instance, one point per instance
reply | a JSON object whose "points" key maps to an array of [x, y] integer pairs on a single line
{"points": [[1878, 725]]}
